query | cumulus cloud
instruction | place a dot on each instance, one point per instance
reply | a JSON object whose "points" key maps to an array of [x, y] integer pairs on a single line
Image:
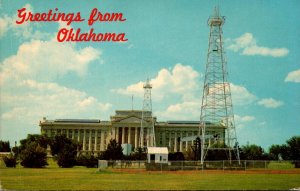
{"points": [[270, 103], [32, 100], [293, 76], [44, 99], [4, 25], [240, 95], [185, 110], [24, 30], [247, 45], [46, 60], [28, 81], [241, 121], [180, 80]]}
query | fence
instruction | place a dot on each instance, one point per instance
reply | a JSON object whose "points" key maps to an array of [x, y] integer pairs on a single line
{"points": [[208, 165]]}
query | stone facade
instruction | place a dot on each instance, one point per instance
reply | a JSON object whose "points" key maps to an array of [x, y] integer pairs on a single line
{"points": [[124, 126]]}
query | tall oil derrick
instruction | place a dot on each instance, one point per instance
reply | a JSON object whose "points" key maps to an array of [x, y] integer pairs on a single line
{"points": [[147, 133], [216, 108]]}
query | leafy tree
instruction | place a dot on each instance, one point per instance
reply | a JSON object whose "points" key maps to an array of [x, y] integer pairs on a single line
{"points": [[10, 161], [177, 156], [253, 152], [33, 156], [294, 147], [88, 160], [41, 140], [4, 146], [277, 151], [217, 154], [113, 151], [64, 151], [140, 154], [32, 151], [189, 154]]}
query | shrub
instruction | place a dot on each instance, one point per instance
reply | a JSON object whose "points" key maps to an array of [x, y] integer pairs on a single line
{"points": [[10, 161], [33, 156], [64, 151]]}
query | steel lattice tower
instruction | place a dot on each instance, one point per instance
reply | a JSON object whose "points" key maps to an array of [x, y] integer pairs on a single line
{"points": [[147, 133], [216, 107]]}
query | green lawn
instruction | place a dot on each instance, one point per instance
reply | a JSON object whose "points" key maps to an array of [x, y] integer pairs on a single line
{"points": [[80, 178]]}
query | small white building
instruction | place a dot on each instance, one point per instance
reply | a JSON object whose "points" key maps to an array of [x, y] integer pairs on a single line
{"points": [[157, 154]]}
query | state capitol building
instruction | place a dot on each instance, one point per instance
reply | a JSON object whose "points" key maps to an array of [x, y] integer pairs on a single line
{"points": [[124, 126]]}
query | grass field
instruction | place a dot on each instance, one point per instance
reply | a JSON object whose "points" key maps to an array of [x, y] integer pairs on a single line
{"points": [[81, 178]]}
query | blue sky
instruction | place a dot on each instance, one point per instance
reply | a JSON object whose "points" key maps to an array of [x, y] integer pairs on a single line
{"points": [[167, 43]]}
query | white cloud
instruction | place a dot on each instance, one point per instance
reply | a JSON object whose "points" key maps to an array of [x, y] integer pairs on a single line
{"points": [[247, 45], [240, 95], [293, 76], [241, 121], [180, 80], [186, 110], [46, 60], [44, 99], [26, 30], [30, 100], [270, 103], [28, 87], [4, 25]]}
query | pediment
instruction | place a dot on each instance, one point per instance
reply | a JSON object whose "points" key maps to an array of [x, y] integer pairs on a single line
{"points": [[131, 119]]}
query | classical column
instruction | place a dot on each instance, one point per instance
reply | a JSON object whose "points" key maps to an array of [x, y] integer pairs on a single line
{"points": [[67, 133], [136, 138], [142, 137], [90, 140], [192, 136], [186, 142], [123, 135], [129, 135], [148, 136], [180, 146], [96, 137], [73, 134], [49, 133], [170, 135], [175, 142], [83, 144], [102, 141], [117, 134], [78, 135]]}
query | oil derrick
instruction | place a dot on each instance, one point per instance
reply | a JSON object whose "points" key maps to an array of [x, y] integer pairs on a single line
{"points": [[147, 133], [216, 108]]}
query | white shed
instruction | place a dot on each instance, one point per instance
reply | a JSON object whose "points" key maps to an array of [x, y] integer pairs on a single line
{"points": [[157, 154]]}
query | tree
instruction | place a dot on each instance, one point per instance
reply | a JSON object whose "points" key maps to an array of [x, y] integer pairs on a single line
{"points": [[218, 153], [33, 156], [294, 148], [41, 140], [64, 151], [139, 154], [178, 156], [277, 152], [4, 146], [32, 151], [253, 152], [113, 151], [88, 160], [10, 161]]}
